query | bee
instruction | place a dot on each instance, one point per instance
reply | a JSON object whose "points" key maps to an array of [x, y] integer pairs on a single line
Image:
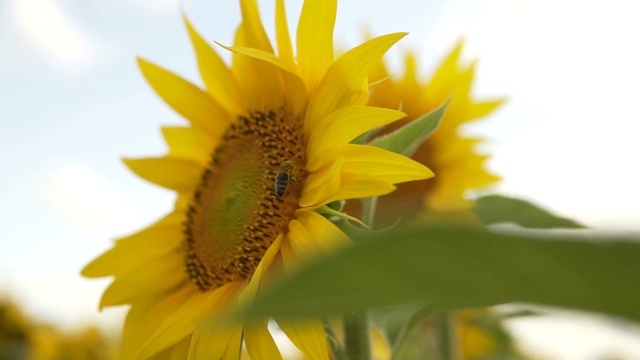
{"points": [[283, 178]]}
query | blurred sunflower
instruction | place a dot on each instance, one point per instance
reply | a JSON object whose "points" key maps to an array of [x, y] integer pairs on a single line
{"points": [[267, 145], [452, 157], [458, 167], [24, 337]]}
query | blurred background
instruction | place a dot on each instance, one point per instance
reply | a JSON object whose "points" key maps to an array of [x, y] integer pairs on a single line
{"points": [[72, 103]]}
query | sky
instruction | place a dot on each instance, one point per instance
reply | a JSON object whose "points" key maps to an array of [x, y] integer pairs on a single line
{"points": [[74, 103]]}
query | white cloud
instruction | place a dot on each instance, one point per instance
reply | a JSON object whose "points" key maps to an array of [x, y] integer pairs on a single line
{"points": [[46, 25], [89, 201]]}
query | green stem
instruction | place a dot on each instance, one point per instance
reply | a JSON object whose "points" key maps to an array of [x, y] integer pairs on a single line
{"points": [[356, 336], [369, 210], [356, 325], [446, 335]]}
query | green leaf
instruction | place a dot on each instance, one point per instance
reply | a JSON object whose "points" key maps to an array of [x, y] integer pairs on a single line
{"points": [[449, 268], [494, 209], [408, 138]]}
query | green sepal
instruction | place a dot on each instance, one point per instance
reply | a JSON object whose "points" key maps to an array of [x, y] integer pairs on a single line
{"points": [[407, 139], [337, 205]]}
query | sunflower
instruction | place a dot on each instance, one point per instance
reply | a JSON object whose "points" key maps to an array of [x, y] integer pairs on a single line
{"points": [[266, 148], [452, 157]]}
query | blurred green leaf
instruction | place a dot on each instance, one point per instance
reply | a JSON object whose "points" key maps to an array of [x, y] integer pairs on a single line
{"points": [[493, 209], [408, 138], [449, 267]]}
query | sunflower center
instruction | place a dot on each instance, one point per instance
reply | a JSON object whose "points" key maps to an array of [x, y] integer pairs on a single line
{"points": [[246, 197]]}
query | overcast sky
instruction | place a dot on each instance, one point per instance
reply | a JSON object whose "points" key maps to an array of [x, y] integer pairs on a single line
{"points": [[73, 103]]}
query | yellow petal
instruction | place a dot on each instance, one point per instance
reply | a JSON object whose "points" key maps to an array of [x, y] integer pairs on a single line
{"points": [[302, 243], [145, 316], [326, 234], [345, 76], [254, 34], [410, 71], [361, 95], [172, 173], [185, 98], [260, 344], [321, 184], [379, 345], [260, 55], [310, 235], [134, 251], [180, 351], [288, 256], [235, 344], [149, 280], [220, 81], [250, 291], [382, 164], [214, 332], [355, 186], [467, 172], [285, 52], [262, 82], [308, 336], [465, 80], [331, 134], [174, 352], [293, 86], [182, 202], [479, 109], [441, 80], [177, 324], [238, 62], [315, 39], [447, 200], [379, 71], [189, 143], [384, 91]]}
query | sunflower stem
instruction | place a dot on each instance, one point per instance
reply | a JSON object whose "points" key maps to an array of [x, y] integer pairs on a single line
{"points": [[369, 210], [356, 336], [446, 335]]}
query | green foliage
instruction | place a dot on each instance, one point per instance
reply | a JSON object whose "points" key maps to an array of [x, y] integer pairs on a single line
{"points": [[493, 209], [453, 267], [408, 138]]}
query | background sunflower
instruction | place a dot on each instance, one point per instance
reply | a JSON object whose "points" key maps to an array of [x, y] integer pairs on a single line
{"points": [[453, 156]]}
